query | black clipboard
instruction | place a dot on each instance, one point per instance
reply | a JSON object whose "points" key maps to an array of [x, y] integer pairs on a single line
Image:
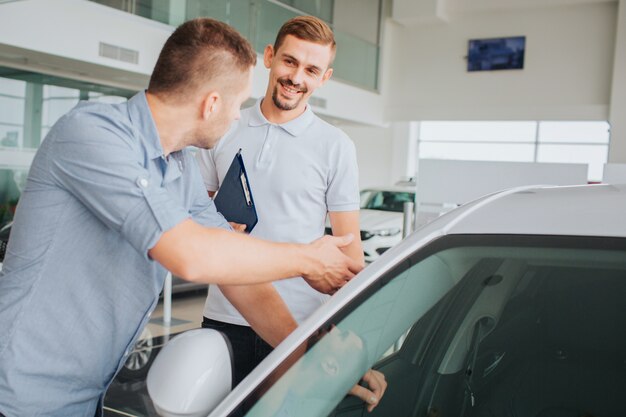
{"points": [[234, 197]]}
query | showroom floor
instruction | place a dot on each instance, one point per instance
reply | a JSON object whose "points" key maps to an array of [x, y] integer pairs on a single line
{"points": [[127, 395]]}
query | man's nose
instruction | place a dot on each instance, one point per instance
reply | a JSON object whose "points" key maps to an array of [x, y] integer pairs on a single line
{"points": [[297, 76]]}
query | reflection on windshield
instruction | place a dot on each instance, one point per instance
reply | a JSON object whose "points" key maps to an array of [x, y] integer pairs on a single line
{"points": [[319, 380], [323, 376]]}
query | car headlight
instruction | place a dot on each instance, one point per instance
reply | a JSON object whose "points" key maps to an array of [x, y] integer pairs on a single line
{"points": [[392, 231]]}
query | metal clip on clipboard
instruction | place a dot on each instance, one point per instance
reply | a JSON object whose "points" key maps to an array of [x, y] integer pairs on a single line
{"points": [[246, 190]]}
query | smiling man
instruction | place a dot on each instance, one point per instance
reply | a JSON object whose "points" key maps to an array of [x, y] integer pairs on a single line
{"points": [[300, 169]]}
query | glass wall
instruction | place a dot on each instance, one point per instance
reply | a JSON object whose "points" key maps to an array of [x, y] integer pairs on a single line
{"points": [[526, 141], [259, 20], [30, 104]]}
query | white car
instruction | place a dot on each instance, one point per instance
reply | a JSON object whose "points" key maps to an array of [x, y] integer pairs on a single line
{"points": [[381, 218], [511, 305]]}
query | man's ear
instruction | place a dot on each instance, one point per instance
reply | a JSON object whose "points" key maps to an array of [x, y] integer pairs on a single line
{"points": [[210, 103], [327, 75], [268, 55]]}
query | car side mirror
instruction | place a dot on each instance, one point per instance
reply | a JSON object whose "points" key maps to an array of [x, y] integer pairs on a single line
{"points": [[191, 374]]}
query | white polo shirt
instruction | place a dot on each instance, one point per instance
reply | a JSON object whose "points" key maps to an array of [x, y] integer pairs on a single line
{"points": [[298, 171]]}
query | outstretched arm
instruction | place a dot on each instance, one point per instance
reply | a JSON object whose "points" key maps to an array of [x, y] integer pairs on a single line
{"points": [[208, 255]]}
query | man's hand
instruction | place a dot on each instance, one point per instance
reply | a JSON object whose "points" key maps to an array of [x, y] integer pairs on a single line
{"points": [[238, 227], [332, 268], [377, 385]]}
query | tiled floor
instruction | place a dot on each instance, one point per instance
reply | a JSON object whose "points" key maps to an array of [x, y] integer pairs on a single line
{"points": [[186, 314], [127, 395]]}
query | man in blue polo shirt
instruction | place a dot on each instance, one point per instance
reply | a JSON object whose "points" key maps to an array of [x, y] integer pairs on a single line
{"points": [[300, 169], [112, 200]]}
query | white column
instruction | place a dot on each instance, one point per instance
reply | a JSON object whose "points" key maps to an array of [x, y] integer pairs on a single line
{"points": [[404, 151], [167, 300], [617, 114]]}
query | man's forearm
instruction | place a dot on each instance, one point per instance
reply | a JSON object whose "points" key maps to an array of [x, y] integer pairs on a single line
{"points": [[263, 309], [208, 255], [348, 222]]}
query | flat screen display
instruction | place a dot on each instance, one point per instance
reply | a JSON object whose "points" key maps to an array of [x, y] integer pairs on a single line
{"points": [[496, 54]]}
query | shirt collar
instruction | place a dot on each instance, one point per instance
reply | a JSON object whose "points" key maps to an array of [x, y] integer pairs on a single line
{"points": [[294, 127], [141, 118]]}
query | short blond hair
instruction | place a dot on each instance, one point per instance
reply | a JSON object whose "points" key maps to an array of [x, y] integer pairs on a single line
{"points": [[307, 28]]}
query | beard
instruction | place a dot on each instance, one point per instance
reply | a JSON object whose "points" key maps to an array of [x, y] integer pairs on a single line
{"points": [[286, 105]]}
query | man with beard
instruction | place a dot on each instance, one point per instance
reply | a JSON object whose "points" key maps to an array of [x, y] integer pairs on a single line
{"points": [[300, 169], [112, 200]]}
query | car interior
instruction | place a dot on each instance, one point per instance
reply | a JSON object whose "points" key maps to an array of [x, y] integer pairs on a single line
{"points": [[534, 334]]}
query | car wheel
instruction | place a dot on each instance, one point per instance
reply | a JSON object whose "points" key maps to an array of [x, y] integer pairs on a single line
{"points": [[139, 361]]}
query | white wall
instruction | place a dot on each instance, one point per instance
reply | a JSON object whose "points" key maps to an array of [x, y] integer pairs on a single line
{"points": [[446, 181], [614, 174], [374, 154], [73, 29], [567, 74], [404, 149]]}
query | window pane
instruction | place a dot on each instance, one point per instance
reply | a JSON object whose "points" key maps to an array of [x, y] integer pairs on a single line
{"points": [[320, 8], [478, 151], [594, 155], [27, 111], [478, 131], [589, 132], [106, 98], [12, 87], [56, 102], [11, 110], [10, 136]]}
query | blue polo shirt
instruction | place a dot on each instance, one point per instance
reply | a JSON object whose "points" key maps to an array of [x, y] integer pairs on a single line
{"points": [[77, 285]]}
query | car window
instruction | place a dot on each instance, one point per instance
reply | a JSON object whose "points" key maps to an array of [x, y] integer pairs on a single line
{"points": [[493, 322], [385, 200]]}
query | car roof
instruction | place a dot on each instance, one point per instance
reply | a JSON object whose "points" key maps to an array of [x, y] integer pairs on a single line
{"points": [[586, 210]]}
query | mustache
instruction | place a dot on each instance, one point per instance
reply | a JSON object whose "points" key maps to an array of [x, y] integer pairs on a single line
{"points": [[286, 82]]}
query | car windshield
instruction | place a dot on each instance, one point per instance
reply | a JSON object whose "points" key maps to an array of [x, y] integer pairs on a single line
{"points": [[473, 326], [385, 200]]}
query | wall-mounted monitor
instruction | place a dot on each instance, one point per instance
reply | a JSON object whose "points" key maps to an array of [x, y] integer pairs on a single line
{"points": [[496, 53]]}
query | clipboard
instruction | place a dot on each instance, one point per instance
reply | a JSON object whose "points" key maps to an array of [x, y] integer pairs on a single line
{"points": [[234, 197]]}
